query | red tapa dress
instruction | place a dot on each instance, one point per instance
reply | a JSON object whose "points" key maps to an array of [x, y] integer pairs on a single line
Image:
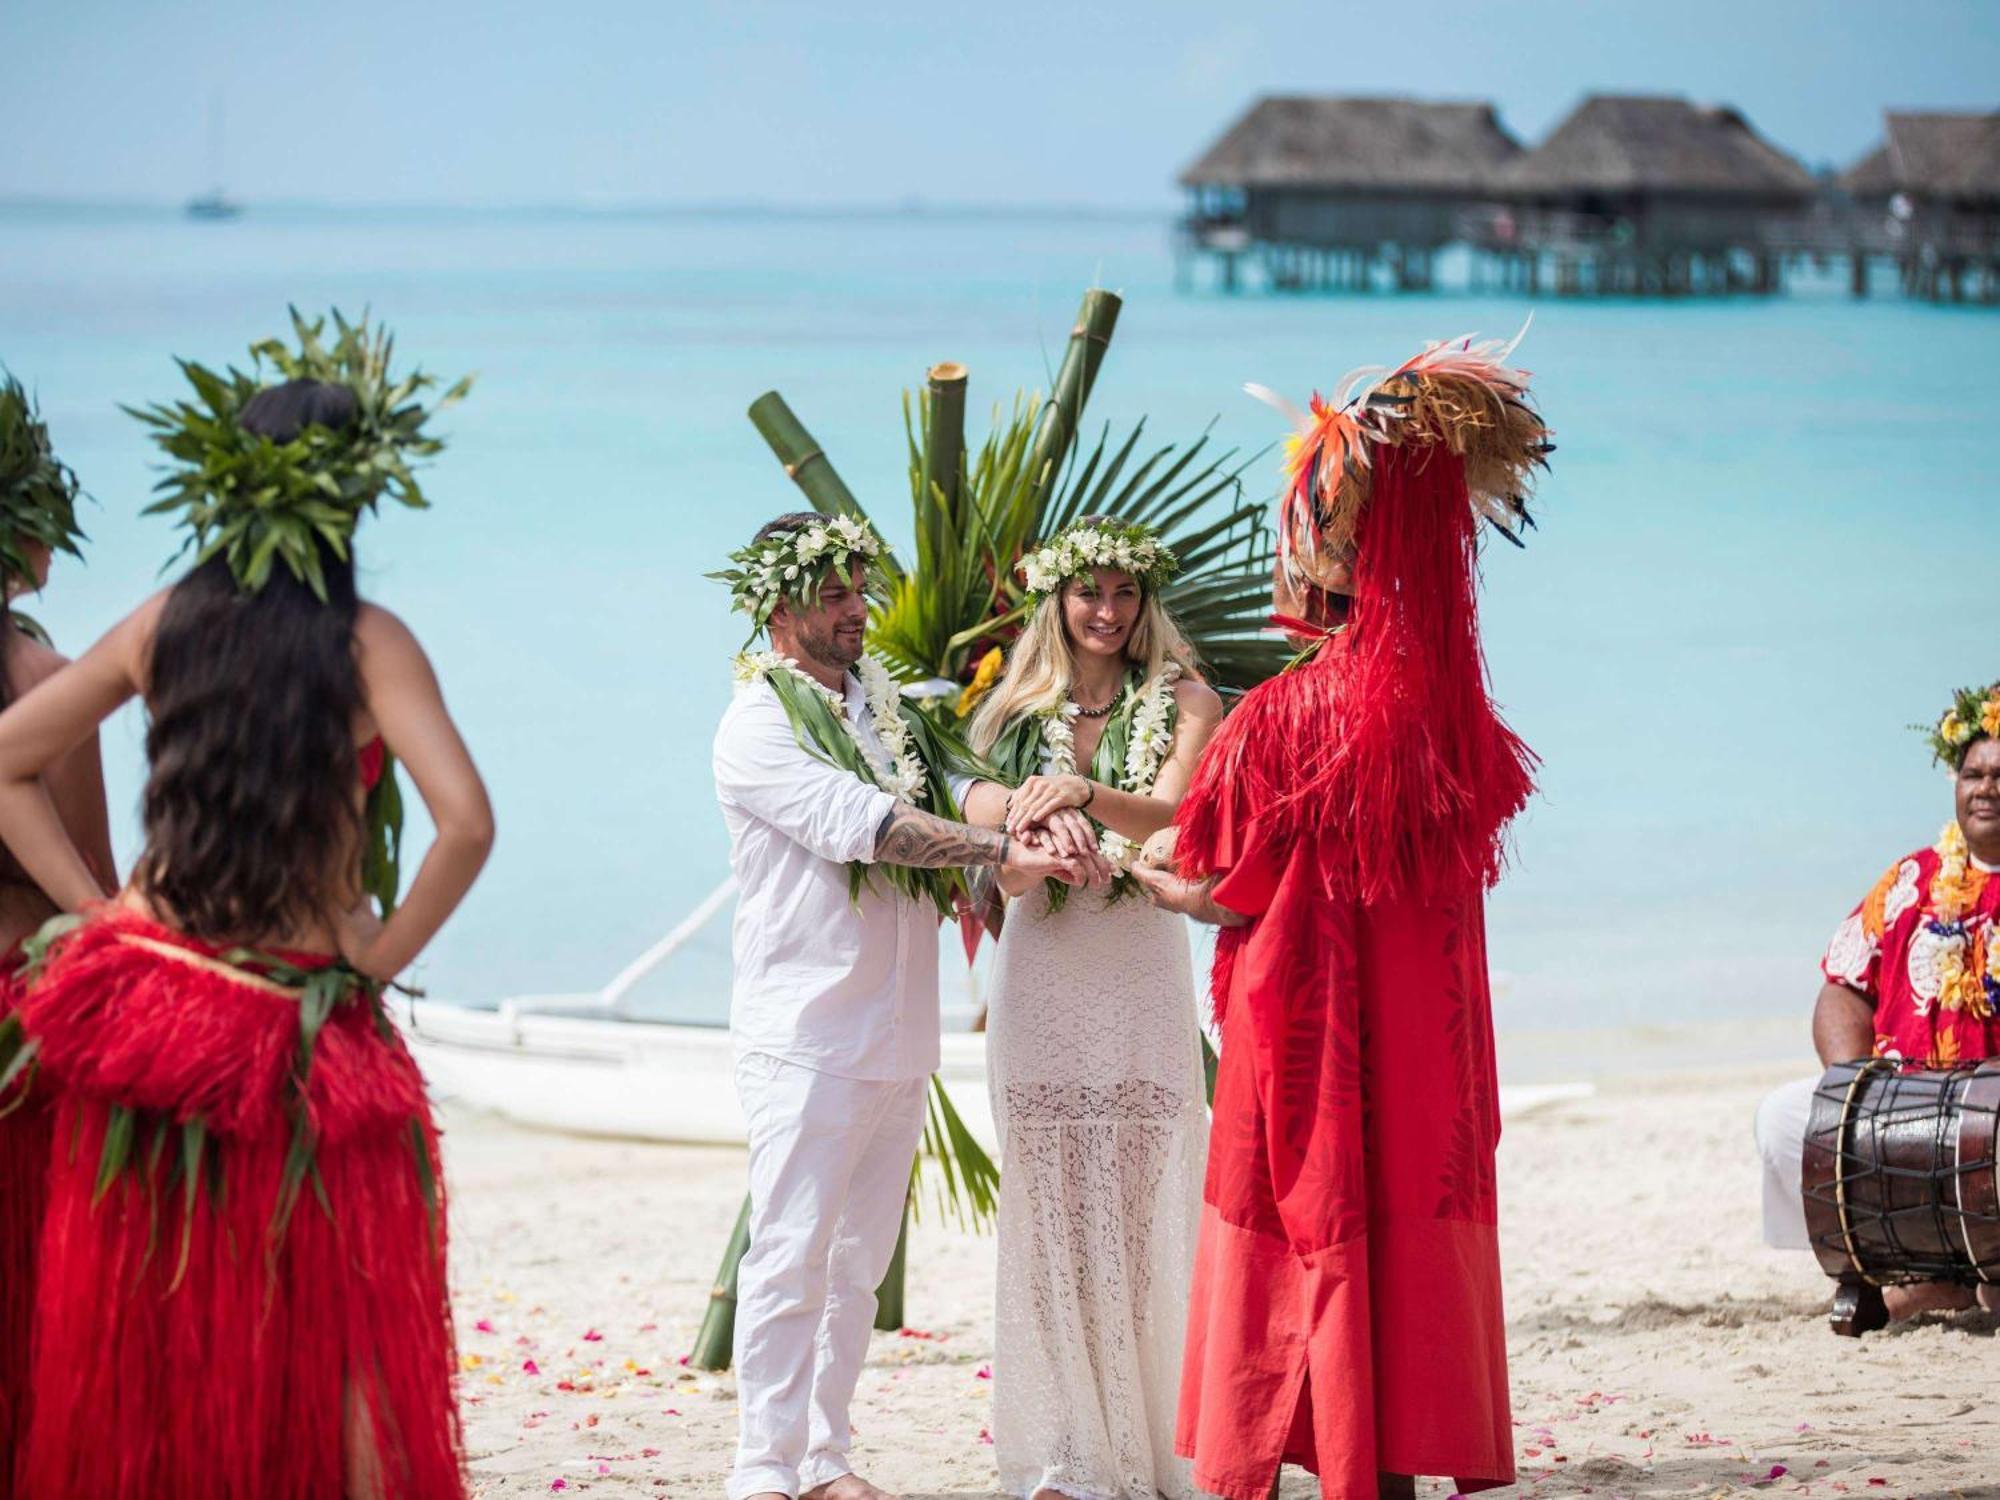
{"points": [[24, 1172], [196, 1337], [1346, 1311]]}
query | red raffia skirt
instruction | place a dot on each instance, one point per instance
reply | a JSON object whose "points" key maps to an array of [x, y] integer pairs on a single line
{"points": [[196, 1336], [24, 1174]]}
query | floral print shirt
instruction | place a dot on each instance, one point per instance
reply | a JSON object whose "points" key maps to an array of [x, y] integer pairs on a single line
{"points": [[1925, 951]]}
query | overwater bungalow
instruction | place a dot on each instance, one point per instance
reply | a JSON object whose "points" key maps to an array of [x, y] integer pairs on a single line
{"points": [[1928, 199], [1637, 196], [1323, 192]]}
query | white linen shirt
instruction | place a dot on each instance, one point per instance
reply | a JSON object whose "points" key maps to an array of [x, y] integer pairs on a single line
{"points": [[845, 987]]}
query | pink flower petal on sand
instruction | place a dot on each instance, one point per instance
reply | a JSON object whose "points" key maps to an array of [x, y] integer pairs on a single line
{"points": [[592, 1336], [560, 1484], [985, 1436], [529, 1367], [484, 1325], [984, 1372], [1778, 1471]]}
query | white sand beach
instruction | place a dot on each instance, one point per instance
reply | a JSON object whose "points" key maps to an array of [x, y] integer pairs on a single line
{"points": [[1658, 1348]]}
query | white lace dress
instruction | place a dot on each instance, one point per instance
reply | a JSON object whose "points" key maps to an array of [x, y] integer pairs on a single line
{"points": [[1097, 1088]]}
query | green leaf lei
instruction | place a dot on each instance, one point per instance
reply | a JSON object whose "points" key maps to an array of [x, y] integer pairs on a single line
{"points": [[823, 734], [1021, 749]]}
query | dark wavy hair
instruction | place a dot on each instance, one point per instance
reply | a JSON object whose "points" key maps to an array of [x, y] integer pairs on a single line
{"points": [[250, 807]]}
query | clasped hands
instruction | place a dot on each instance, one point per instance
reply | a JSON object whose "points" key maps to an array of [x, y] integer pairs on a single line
{"points": [[1045, 812]]}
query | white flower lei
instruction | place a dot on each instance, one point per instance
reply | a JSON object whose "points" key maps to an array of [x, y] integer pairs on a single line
{"points": [[1147, 751], [1082, 548], [903, 775]]}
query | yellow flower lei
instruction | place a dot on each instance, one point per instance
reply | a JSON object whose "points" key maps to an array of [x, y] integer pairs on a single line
{"points": [[1955, 889]]}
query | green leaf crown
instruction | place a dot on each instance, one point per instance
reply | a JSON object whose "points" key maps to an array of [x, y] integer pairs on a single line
{"points": [[793, 565], [38, 491], [1974, 715], [1077, 549], [258, 502]]}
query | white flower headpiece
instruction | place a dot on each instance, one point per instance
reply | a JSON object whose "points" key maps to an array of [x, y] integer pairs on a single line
{"points": [[794, 564], [1098, 544]]}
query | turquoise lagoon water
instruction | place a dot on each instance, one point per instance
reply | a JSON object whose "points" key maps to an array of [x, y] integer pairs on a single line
{"points": [[1769, 542]]}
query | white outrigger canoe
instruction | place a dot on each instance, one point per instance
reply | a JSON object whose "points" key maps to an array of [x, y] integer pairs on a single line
{"points": [[582, 1064]]}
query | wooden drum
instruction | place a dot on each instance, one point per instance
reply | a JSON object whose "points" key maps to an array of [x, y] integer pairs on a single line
{"points": [[1901, 1181]]}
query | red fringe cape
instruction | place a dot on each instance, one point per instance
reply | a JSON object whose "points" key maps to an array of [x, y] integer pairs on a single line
{"points": [[182, 1348], [24, 1169]]}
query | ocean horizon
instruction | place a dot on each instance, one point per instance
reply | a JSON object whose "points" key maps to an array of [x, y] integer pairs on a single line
{"points": [[1764, 523]]}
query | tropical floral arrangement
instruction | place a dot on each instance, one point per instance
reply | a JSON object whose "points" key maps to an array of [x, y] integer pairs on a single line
{"points": [[1974, 712], [982, 515]]}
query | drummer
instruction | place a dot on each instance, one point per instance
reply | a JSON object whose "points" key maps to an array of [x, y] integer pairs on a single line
{"points": [[1913, 975]]}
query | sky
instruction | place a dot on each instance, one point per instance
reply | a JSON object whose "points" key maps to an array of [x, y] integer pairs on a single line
{"points": [[1026, 103]]}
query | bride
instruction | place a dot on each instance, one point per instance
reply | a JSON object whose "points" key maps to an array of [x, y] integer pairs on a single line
{"points": [[1095, 1063]]}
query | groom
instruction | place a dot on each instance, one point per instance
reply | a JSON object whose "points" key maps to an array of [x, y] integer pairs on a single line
{"points": [[835, 1005]]}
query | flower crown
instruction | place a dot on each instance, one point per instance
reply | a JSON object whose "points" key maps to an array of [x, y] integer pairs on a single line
{"points": [[38, 491], [258, 502], [1098, 544], [1974, 713], [793, 565]]}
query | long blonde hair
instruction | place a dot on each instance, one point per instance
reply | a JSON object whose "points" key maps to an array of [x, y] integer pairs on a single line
{"points": [[1041, 668]]}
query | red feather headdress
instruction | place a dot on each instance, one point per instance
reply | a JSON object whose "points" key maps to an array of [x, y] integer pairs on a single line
{"points": [[1395, 749], [1461, 395]]}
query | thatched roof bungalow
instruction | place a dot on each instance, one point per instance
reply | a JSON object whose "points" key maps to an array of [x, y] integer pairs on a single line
{"points": [[1929, 197], [1348, 173], [1945, 158], [1659, 172]]}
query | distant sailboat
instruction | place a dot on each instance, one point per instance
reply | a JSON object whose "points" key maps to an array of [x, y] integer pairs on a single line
{"points": [[214, 204]]}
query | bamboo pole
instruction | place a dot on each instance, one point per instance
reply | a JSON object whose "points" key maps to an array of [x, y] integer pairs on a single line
{"points": [[806, 463], [1078, 372], [718, 1324], [889, 1295], [944, 436]]}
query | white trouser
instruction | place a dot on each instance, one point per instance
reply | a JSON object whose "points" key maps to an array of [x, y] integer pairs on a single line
{"points": [[1782, 1118], [829, 1172]]}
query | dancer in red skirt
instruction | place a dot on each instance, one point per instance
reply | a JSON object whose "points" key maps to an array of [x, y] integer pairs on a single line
{"points": [[37, 519], [1343, 827], [242, 1284]]}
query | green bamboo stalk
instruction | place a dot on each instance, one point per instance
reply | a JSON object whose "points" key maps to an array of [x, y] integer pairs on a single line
{"points": [[718, 1324], [944, 437], [1087, 342], [889, 1296], [806, 463]]}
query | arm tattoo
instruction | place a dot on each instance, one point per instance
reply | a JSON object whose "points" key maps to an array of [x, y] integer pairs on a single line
{"points": [[909, 837], [1208, 909]]}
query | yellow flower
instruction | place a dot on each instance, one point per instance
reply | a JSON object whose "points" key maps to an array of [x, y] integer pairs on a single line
{"points": [[1989, 716], [1953, 730], [982, 681]]}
